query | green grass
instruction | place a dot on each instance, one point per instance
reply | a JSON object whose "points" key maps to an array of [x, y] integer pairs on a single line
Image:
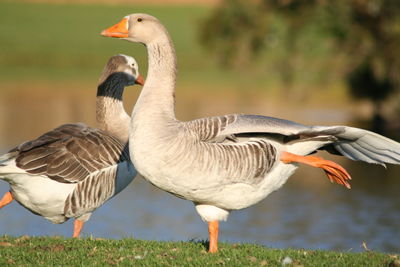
{"points": [[56, 46], [56, 251], [61, 42], [43, 41], [64, 39]]}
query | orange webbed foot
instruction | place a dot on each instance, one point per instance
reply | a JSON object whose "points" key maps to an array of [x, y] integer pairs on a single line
{"points": [[334, 171], [7, 199]]}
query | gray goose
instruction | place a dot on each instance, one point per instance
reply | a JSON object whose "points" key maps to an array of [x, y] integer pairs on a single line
{"points": [[228, 162], [73, 169]]}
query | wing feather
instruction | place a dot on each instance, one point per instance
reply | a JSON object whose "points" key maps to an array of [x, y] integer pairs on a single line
{"points": [[69, 153], [354, 143]]}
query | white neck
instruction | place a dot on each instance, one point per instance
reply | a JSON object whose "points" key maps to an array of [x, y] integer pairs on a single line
{"points": [[158, 94], [112, 118]]}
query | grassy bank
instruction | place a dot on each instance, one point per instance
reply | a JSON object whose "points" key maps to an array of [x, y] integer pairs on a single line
{"points": [[62, 42], [58, 45], [54, 251]]}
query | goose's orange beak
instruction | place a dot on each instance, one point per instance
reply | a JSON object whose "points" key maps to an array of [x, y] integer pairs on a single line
{"points": [[139, 80], [119, 30]]}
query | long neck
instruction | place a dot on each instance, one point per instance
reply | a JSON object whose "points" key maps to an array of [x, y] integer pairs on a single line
{"points": [[110, 112], [158, 94]]}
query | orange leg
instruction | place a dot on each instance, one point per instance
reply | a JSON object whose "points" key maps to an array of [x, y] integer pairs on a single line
{"points": [[334, 171], [213, 231], [78, 225], [7, 198]]}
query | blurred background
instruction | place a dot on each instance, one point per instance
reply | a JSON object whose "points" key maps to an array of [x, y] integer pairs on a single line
{"points": [[313, 61]]}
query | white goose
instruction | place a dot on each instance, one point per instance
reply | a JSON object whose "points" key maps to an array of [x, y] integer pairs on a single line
{"points": [[72, 170], [229, 162]]}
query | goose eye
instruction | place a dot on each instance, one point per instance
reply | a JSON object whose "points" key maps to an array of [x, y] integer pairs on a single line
{"points": [[139, 19]]}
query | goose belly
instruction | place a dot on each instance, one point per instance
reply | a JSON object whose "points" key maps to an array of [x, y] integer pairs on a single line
{"points": [[242, 195], [212, 189], [192, 172], [41, 195], [234, 196]]}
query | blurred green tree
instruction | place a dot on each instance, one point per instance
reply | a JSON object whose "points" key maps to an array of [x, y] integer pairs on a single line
{"points": [[367, 32]]}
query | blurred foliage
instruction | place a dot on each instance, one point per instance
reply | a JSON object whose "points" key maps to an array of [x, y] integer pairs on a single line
{"points": [[364, 84], [239, 35], [363, 34]]}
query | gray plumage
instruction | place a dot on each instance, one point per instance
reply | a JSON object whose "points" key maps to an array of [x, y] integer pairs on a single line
{"points": [[353, 143], [69, 153], [229, 162], [73, 169], [226, 162]]}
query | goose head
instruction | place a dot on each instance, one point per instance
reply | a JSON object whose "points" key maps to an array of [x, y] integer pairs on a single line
{"points": [[124, 68], [138, 28]]}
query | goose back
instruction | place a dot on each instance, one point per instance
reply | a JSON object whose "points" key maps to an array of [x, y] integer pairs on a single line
{"points": [[69, 153]]}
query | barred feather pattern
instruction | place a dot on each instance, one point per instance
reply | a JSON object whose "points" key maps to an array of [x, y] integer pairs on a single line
{"points": [[76, 153], [242, 162], [91, 193], [247, 162], [209, 128], [70, 153]]}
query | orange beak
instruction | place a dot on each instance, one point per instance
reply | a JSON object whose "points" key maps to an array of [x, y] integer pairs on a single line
{"points": [[119, 30], [139, 80]]}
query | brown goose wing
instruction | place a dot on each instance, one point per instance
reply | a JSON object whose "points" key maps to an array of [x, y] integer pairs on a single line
{"points": [[69, 153]]}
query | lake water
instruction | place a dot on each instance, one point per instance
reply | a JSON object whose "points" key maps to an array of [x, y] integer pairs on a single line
{"points": [[308, 212]]}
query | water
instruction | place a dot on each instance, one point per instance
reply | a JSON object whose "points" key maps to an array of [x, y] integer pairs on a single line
{"points": [[308, 212]]}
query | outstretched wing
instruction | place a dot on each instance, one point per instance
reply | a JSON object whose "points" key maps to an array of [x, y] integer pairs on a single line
{"points": [[69, 153], [353, 143], [359, 144], [211, 128]]}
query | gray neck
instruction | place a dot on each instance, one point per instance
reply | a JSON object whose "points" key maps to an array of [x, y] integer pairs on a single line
{"points": [[158, 94], [110, 112]]}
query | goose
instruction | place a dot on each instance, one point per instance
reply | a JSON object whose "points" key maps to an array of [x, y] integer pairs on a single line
{"points": [[73, 169], [229, 162]]}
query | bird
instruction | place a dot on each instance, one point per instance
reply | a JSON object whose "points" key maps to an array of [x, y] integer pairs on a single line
{"points": [[228, 162], [72, 170]]}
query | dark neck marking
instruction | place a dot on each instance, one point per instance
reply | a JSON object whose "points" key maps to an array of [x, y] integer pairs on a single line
{"points": [[114, 85]]}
